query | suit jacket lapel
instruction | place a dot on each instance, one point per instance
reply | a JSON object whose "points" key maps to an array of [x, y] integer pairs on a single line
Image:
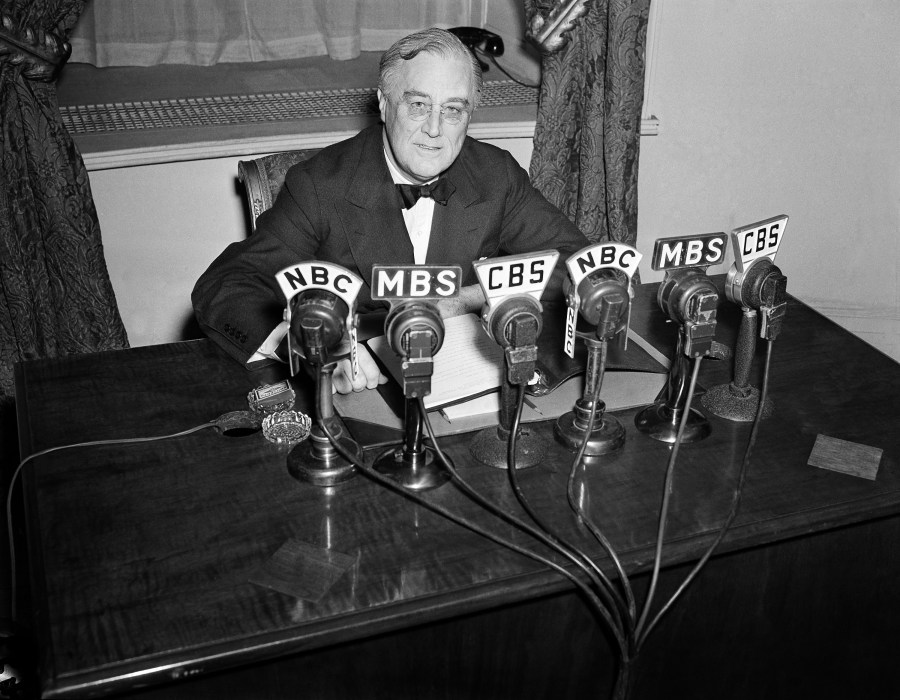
{"points": [[371, 212], [455, 229]]}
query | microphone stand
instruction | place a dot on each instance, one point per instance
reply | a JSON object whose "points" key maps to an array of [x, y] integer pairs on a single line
{"points": [[571, 429], [691, 299], [660, 420], [490, 446], [413, 464], [739, 400], [574, 429], [761, 286], [316, 460]]}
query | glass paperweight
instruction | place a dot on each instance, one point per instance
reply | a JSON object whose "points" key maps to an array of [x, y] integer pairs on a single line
{"points": [[286, 427]]}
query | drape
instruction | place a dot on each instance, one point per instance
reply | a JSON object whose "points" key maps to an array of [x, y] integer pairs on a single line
{"points": [[55, 294], [206, 32], [587, 138]]}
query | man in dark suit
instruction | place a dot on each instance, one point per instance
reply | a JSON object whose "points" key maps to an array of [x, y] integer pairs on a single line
{"points": [[345, 206]]}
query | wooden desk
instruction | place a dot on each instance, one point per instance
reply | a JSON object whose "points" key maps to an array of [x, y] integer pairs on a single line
{"points": [[141, 554]]}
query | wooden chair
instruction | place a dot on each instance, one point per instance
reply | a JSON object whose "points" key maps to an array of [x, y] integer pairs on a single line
{"points": [[263, 178]]}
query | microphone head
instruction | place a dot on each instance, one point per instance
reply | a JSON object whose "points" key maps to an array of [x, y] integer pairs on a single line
{"points": [[760, 284], [686, 293], [411, 316], [604, 298], [500, 318], [318, 320]]}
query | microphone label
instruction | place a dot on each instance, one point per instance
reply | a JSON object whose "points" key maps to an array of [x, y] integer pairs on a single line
{"points": [[587, 260], [604, 255], [515, 274], [319, 275], [391, 282], [331, 278], [699, 250], [757, 240]]}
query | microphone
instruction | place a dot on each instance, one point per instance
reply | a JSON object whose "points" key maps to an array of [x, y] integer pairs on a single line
{"points": [[512, 316], [415, 332], [689, 298], [321, 314], [515, 323], [318, 323], [599, 288], [756, 284]]}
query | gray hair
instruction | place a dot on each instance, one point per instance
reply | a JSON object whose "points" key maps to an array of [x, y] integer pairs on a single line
{"points": [[435, 41]]}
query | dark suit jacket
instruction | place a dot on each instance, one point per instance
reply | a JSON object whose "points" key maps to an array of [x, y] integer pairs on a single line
{"points": [[341, 206]]}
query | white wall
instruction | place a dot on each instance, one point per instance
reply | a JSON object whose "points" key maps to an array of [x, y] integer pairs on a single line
{"points": [[765, 108], [162, 225], [776, 107]]}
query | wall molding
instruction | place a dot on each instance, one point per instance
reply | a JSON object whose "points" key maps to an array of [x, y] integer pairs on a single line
{"points": [[231, 148]]}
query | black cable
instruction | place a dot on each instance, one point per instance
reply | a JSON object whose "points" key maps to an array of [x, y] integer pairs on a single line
{"points": [[459, 519], [600, 578], [41, 453], [735, 500], [601, 606], [621, 685], [584, 516], [505, 72], [664, 509]]}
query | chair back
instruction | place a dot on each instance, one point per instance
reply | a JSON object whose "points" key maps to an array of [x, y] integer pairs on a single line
{"points": [[263, 178]]}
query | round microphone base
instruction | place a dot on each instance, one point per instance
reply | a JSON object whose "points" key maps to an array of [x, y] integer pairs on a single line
{"points": [[414, 471], [661, 423], [491, 447], [316, 462], [607, 436], [735, 403]]}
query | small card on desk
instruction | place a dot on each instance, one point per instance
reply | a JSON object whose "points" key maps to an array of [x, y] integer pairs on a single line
{"points": [[845, 457], [302, 570]]}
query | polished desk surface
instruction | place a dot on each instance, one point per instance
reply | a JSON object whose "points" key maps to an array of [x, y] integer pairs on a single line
{"points": [[141, 554]]}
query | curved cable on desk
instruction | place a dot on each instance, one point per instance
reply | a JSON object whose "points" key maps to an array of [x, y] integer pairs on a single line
{"points": [[585, 517], [41, 453], [583, 562], [664, 509], [735, 502], [621, 686], [592, 597], [625, 620], [465, 522]]}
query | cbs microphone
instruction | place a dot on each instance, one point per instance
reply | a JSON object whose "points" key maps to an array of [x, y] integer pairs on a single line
{"points": [[757, 285], [512, 316]]}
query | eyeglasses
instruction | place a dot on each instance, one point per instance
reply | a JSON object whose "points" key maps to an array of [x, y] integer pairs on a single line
{"points": [[418, 110]]}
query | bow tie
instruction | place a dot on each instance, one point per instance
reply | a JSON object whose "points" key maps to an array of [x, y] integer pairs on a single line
{"points": [[439, 190]]}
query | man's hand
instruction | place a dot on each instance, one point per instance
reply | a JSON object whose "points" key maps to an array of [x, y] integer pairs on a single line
{"points": [[470, 300], [368, 378]]}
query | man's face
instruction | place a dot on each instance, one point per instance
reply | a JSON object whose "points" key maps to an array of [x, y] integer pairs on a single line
{"points": [[425, 148]]}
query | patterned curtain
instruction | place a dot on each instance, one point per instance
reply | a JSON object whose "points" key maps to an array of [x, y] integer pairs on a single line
{"points": [[55, 295], [587, 139]]}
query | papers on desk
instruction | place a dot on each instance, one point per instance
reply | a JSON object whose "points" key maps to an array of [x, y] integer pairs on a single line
{"points": [[468, 371], [468, 365]]}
